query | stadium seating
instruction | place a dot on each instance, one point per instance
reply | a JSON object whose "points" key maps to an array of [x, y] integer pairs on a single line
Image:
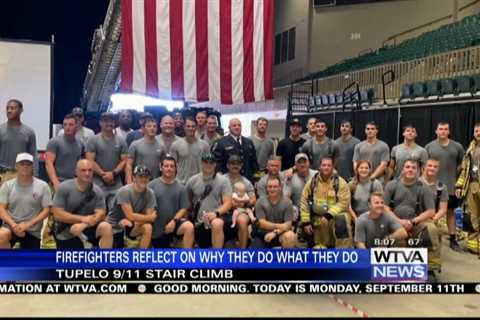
{"points": [[462, 34]]}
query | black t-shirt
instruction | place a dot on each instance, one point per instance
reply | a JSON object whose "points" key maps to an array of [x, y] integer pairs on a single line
{"points": [[287, 149]]}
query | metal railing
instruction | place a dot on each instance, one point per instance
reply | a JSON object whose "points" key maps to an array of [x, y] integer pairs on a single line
{"points": [[444, 65]]}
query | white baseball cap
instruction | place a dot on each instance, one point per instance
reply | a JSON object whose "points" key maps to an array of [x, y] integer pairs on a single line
{"points": [[24, 157], [300, 156]]}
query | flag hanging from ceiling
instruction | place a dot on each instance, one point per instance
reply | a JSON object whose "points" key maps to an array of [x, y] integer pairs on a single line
{"points": [[198, 50]]}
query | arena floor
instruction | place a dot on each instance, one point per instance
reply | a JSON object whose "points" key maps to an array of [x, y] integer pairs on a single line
{"points": [[458, 267]]}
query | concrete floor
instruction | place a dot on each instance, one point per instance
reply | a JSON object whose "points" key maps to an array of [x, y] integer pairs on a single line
{"points": [[457, 267]]}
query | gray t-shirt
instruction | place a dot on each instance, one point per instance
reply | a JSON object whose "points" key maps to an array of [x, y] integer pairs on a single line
{"points": [[67, 152], [15, 140], [345, 158], [140, 202], [24, 203], [108, 153], [189, 157], [167, 142], [439, 192], [171, 198], [375, 153], [317, 151], [148, 154], [400, 154], [293, 187], [450, 158], [72, 200], [275, 213], [307, 136], [362, 193], [83, 134], [261, 185], [408, 201], [248, 185], [264, 149], [220, 187], [367, 230]]}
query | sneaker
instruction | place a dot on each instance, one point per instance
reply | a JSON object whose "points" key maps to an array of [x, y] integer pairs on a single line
{"points": [[455, 246], [86, 244]]}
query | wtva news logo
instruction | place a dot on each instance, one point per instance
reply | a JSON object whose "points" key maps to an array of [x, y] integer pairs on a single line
{"points": [[399, 264]]}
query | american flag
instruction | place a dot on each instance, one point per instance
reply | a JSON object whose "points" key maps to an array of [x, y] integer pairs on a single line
{"points": [[198, 50]]}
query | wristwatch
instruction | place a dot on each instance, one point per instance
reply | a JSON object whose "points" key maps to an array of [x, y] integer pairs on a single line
{"points": [[217, 213]]}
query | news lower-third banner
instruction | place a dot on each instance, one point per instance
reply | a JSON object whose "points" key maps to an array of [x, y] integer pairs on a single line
{"points": [[380, 264]]}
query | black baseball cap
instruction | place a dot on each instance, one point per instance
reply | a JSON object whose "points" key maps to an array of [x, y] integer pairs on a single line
{"points": [[234, 159], [295, 122], [77, 111], [142, 170], [208, 157]]}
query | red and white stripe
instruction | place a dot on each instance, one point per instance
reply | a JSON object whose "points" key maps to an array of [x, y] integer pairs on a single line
{"points": [[198, 50], [347, 305]]}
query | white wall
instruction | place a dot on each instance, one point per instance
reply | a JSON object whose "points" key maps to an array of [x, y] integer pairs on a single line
{"points": [[25, 74]]}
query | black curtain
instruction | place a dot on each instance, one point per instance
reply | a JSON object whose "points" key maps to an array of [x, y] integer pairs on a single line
{"points": [[460, 116]]}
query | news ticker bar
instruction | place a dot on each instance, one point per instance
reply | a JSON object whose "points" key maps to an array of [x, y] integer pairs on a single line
{"points": [[334, 274], [238, 288]]}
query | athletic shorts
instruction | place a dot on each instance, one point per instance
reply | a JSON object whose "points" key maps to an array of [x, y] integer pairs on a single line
{"points": [[76, 243], [165, 240], [204, 236], [27, 242], [259, 242], [453, 202]]}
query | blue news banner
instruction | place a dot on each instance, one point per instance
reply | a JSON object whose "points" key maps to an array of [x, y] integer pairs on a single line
{"points": [[226, 271]]}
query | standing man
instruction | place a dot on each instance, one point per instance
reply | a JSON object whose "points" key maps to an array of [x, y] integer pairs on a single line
{"points": [[274, 166], [293, 187], [124, 124], [172, 208], [324, 209], [377, 228], [188, 152], [450, 154], [138, 134], [210, 196], [63, 152], [411, 202], [134, 210], [79, 211], [321, 146], [468, 187], [211, 136], [407, 150], [201, 118], [82, 133], [346, 144], [373, 150], [146, 151], [312, 129], [264, 146], [275, 218], [439, 189], [289, 147], [234, 166], [237, 144], [15, 138], [108, 154], [179, 123], [24, 204], [167, 136]]}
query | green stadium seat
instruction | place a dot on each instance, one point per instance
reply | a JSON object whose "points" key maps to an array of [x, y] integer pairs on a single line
{"points": [[419, 89], [433, 88], [406, 91], [448, 86], [464, 84]]}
